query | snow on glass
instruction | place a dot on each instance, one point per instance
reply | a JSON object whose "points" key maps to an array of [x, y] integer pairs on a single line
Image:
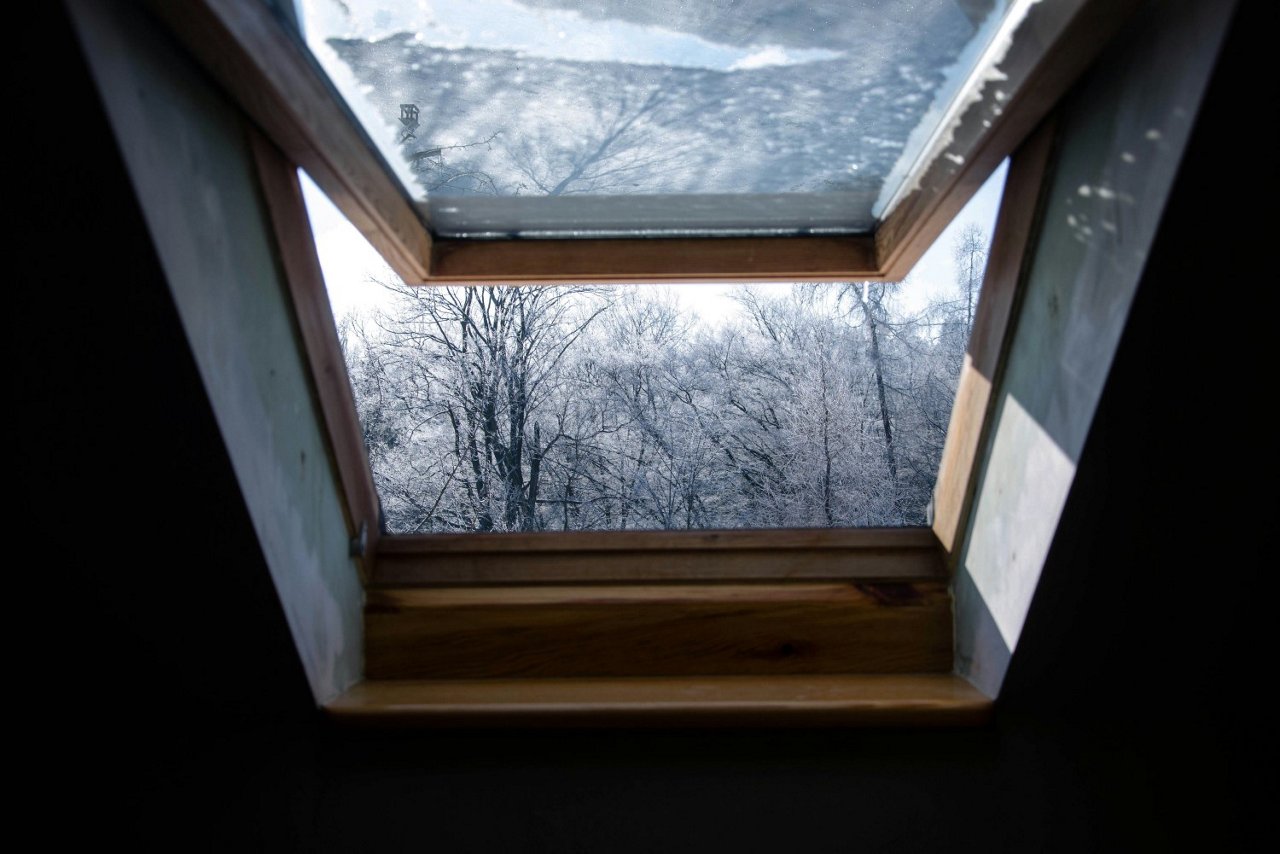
{"points": [[661, 116]]}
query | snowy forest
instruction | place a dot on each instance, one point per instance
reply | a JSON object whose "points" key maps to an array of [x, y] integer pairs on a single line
{"points": [[612, 408]]}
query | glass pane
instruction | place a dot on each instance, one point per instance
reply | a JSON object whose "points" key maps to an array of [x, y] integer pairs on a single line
{"points": [[566, 117], [645, 406]]}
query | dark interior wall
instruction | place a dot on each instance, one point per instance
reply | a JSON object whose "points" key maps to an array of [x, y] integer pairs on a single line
{"points": [[170, 709]]}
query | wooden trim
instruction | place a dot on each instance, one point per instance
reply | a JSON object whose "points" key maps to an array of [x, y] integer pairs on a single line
{"points": [[654, 259], [637, 556], [1012, 247], [1052, 48], [300, 265], [836, 701], [549, 631], [871, 595], [268, 73], [708, 540]]}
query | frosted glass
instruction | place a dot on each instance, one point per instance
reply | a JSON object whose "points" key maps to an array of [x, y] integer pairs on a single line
{"points": [[564, 117]]}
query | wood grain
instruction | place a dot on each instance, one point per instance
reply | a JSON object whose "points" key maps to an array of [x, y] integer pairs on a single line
{"points": [[301, 267], [1052, 48], [267, 71], [841, 700], [629, 556], [727, 539], [1017, 225], [654, 259], [652, 630]]}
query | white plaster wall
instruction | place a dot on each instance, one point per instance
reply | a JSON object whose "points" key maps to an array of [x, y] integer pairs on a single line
{"points": [[1122, 135]]}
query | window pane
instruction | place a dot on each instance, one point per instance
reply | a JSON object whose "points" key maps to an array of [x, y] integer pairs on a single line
{"points": [[610, 117], [644, 406]]}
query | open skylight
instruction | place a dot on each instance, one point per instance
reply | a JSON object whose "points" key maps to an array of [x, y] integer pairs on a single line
{"points": [[560, 118]]}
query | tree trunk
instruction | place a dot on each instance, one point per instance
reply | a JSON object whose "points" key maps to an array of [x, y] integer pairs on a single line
{"points": [[877, 362], [530, 521], [826, 452]]}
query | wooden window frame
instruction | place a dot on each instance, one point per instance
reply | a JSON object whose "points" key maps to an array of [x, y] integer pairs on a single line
{"points": [[534, 629], [671, 592]]}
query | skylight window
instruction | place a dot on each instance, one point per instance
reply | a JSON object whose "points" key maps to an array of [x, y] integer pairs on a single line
{"points": [[558, 118]]}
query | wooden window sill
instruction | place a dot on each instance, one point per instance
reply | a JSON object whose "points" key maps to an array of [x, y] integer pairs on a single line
{"points": [[455, 639], [861, 700], [596, 557]]}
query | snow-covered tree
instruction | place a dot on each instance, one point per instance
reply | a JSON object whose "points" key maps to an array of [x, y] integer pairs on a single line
{"points": [[571, 408]]}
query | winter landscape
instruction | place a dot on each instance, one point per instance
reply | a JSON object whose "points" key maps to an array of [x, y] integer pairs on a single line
{"points": [[611, 408]]}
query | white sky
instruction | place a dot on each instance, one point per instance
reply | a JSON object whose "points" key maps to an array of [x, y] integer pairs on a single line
{"points": [[352, 267]]}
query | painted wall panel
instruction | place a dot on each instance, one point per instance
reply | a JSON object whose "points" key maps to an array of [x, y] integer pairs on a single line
{"points": [[188, 158], [1122, 137]]}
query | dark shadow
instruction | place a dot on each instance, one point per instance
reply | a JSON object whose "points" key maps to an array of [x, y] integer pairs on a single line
{"points": [[982, 655], [1119, 143]]}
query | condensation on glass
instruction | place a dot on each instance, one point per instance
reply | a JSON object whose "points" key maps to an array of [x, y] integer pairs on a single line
{"points": [[552, 118]]}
